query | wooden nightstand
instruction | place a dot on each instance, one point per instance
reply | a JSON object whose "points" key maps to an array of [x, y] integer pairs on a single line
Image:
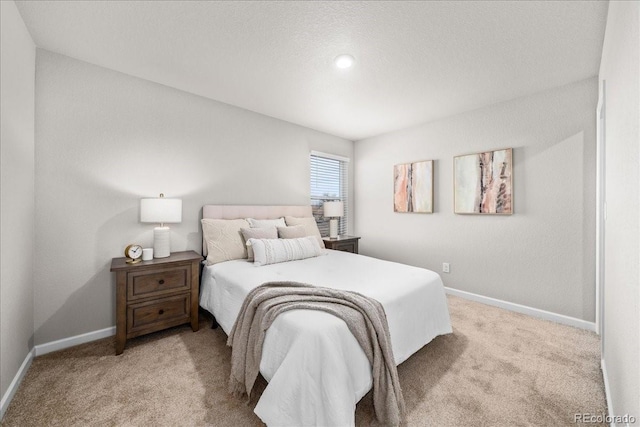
{"points": [[342, 243], [155, 295]]}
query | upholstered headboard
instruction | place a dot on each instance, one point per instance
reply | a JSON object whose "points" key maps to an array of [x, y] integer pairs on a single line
{"points": [[251, 211]]}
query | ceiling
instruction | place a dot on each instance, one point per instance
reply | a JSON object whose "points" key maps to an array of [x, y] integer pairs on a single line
{"points": [[415, 61]]}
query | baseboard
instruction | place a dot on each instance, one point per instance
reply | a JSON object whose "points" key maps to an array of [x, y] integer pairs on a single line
{"points": [[530, 311], [13, 387], [73, 341], [607, 390]]}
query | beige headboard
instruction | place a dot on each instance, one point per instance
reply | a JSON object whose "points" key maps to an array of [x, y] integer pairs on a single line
{"points": [[251, 211]]}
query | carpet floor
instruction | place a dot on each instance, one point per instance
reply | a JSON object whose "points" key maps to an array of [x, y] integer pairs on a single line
{"points": [[498, 368]]}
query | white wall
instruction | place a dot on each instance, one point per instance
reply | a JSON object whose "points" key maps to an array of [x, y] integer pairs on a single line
{"points": [[620, 68], [16, 191], [543, 255], [106, 139]]}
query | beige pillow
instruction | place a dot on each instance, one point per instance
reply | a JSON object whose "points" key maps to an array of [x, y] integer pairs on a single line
{"points": [[292, 232], [224, 239], [258, 233], [309, 224]]}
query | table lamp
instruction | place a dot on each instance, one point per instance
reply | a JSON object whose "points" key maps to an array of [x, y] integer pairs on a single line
{"points": [[333, 210], [161, 210]]}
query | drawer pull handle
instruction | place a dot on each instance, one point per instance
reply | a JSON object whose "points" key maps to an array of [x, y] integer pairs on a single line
{"points": [[161, 311], [161, 281]]}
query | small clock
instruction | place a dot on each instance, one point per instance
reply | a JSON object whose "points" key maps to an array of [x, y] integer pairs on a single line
{"points": [[134, 253]]}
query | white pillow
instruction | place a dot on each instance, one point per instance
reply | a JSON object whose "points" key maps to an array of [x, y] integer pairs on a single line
{"points": [[262, 223], [271, 251], [224, 239], [309, 224]]}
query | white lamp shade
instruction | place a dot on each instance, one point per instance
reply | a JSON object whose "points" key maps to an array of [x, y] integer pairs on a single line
{"points": [[333, 209], [161, 210]]}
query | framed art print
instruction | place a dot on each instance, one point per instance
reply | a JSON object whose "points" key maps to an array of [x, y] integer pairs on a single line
{"points": [[483, 183], [413, 187]]}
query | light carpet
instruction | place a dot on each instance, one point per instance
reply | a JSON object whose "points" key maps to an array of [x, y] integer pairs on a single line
{"points": [[498, 368]]}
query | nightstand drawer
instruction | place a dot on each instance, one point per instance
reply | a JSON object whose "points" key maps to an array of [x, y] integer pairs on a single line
{"points": [[346, 247], [153, 315], [151, 283], [342, 243]]}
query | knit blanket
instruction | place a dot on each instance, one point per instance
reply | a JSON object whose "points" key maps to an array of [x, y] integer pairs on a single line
{"points": [[364, 316]]}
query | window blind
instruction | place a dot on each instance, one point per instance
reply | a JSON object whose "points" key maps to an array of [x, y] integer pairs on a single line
{"points": [[329, 181]]}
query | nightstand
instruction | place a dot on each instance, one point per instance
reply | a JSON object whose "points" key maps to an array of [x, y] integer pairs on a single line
{"points": [[342, 243], [155, 295]]}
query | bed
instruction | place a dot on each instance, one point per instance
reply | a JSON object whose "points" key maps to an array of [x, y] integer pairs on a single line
{"points": [[315, 369]]}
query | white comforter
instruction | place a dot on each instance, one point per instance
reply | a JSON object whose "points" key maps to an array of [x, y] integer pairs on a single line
{"points": [[316, 370]]}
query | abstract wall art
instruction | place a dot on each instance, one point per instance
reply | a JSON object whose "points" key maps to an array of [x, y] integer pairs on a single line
{"points": [[483, 183], [413, 187]]}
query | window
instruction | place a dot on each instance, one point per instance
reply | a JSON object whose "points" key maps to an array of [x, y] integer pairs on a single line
{"points": [[329, 181]]}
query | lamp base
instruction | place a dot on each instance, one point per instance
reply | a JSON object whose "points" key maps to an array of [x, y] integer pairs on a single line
{"points": [[161, 242], [333, 228]]}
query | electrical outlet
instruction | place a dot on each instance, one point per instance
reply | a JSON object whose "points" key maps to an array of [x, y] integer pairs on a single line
{"points": [[445, 267]]}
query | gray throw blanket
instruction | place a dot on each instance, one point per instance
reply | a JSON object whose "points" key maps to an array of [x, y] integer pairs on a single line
{"points": [[364, 316]]}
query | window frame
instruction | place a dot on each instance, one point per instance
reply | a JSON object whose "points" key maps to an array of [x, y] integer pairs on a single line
{"points": [[342, 195]]}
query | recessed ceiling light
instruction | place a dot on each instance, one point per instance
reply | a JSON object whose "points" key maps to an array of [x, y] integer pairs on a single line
{"points": [[344, 61]]}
